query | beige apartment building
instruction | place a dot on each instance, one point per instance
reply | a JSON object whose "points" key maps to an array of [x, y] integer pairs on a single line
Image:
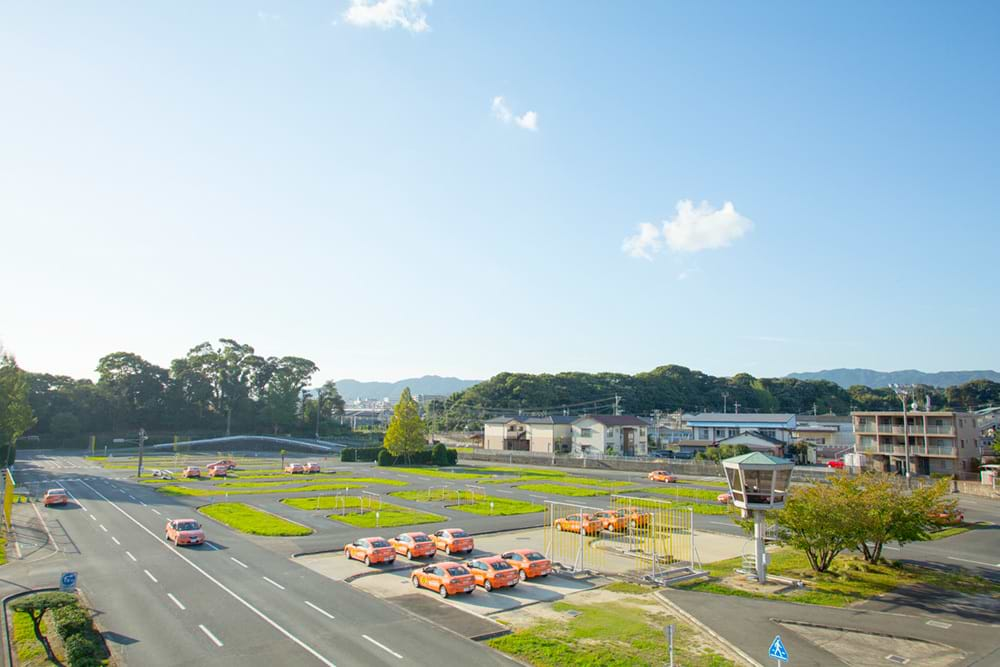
{"points": [[940, 441]]}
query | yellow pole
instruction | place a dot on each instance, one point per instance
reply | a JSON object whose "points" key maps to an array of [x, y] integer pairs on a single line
{"points": [[8, 499]]}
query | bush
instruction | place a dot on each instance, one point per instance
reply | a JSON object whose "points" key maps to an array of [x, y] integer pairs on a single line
{"points": [[452, 457], [423, 457], [439, 455], [360, 454], [70, 621], [384, 458], [83, 651]]}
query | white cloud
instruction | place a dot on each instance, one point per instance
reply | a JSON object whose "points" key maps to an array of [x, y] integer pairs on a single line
{"points": [[267, 17], [694, 228], [527, 121], [386, 14]]}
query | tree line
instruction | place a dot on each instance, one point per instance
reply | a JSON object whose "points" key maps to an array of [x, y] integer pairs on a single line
{"points": [[212, 389], [671, 388]]}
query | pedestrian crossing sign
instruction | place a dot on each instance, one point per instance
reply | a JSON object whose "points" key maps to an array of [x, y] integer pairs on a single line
{"points": [[777, 650]]}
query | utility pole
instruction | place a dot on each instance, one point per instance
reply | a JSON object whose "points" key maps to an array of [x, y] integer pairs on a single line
{"points": [[903, 394], [617, 400], [725, 398], [142, 440], [319, 404], [736, 404]]}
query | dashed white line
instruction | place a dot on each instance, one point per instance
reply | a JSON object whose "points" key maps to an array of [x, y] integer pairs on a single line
{"points": [[115, 540], [176, 601], [977, 562], [211, 546], [939, 624], [131, 496], [155, 511], [103, 528], [274, 583], [129, 554], [322, 611], [76, 500], [142, 503], [383, 647], [210, 635], [150, 575], [94, 518], [240, 563]]}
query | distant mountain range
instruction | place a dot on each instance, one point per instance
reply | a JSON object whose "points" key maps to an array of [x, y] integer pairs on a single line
{"points": [[846, 377], [428, 384]]}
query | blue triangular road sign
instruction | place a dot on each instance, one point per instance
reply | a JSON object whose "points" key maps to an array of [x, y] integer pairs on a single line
{"points": [[777, 649]]}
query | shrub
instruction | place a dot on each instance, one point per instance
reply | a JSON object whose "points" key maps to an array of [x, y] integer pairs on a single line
{"points": [[70, 621], [385, 458], [452, 457], [83, 651], [360, 454], [439, 455]]}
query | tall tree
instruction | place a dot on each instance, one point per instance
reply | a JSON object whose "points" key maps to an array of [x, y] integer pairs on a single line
{"points": [[135, 386], [16, 416], [819, 521], [407, 432], [288, 377]]}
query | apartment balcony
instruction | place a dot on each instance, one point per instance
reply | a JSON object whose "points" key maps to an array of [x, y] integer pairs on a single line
{"points": [[941, 450], [864, 427], [944, 429]]}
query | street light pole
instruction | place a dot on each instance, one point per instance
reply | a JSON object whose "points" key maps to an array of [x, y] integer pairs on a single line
{"points": [[319, 403], [142, 440], [903, 394]]}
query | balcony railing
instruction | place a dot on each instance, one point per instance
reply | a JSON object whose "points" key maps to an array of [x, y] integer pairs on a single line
{"points": [[938, 450], [943, 429], [865, 427]]}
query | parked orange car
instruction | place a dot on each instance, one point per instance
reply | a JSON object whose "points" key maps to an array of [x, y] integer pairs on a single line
{"points": [[217, 471], [634, 517], [191, 471], [312, 466], [453, 540], [661, 476], [294, 468], [55, 497], [493, 572], [611, 520], [370, 550], [528, 563], [228, 463], [446, 579], [580, 523], [413, 545], [948, 517], [724, 498], [184, 531]]}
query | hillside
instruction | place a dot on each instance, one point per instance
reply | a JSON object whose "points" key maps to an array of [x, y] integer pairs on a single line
{"points": [[847, 377], [428, 384]]}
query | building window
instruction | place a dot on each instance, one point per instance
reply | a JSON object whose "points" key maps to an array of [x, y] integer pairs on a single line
{"points": [[586, 432]]}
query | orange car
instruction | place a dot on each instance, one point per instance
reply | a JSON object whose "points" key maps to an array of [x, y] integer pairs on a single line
{"points": [[946, 517], [228, 463], [370, 550], [528, 563], [312, 466], [453, 540], [55, 497], [191, 471], [724, 498], [184, 531], [611, 520], [294, 468], [493, 572], [446, 579], [634, 516], [217, 471], [661, 476], [413, 545], [580, 523]]}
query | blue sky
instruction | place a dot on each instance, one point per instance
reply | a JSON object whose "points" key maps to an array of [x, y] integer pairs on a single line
{"points": [[345, 186]]}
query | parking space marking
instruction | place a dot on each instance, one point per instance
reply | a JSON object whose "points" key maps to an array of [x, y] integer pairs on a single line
{"points": [[176, 601], [129, 554], [240, 563], [115, 540], [322, 611], [274, 583], [939, 624], [150, 575], [383, 646], [977, 562], [210, 635]]}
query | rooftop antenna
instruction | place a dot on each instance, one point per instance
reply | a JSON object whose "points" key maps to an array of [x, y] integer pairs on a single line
{"points": [[725, 398]]}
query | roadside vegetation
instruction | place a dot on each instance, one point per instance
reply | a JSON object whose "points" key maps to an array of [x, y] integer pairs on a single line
{"points": [[563, 490], [52, 628], [493, 506], [680, 492], [957, 530], [247, 519], [215, 491], [362, 514]]}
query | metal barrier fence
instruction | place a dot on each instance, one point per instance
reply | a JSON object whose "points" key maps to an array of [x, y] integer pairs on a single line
{"points": [[638, 537]]}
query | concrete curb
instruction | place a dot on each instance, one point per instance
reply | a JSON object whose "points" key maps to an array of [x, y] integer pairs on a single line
{"points": [[672, 606], [276, 516]]}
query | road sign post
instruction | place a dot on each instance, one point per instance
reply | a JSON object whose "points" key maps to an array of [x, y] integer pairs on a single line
{"points": [[778, 651], [67, 582], [669, 631]]}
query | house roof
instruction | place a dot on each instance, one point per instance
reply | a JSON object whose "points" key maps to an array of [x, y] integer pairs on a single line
{"points": [[753, 434], [615, 420], [552, 419], [756, 458], [743, 417]]}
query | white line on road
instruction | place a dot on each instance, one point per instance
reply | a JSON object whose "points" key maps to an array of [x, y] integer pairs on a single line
{"points": [[325, 613], [537, 496], [115, 540], [939, 624], [240, 563], [211, 546], [131, 496], [155, 511], [103, 528], [724, 523], [274, 583], [129, 554], [977, 562], [150, 575], [383, 647], [502, 491], [210, 635], [176, 601], [93, 517], [142, 503], [48, 532], [76, 500], [264, 617]]}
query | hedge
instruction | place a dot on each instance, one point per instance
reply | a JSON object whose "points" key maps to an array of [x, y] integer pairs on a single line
{"points": [[84, 646], [423, 457], [359, 454]]}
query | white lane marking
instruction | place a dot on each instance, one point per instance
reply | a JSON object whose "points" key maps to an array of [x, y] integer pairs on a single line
{"points": [[115, 540], [142, 503], [537, 496], [93, 517], [383, 647], [322, 611], [155, 511], [939, 624], [48, 532], [103, 528], [274, 583], [264, 617], [176, 601], [129, 554], [502, 491], [131, 496], [150, 575], [724, 523], [210, 635], [977, 562], [76, 500], [211, 546], [240, 563]]}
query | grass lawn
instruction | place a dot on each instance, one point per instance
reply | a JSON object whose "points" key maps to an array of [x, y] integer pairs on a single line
{"points": [[434, 472], [30, 652], [501, 507], [204, 491], [311, 481], [435, 495], [706, 509], [680, 492], [721, 485], [957, 530], [850, 579], [563, 490], [389, 515], [613, 634], [246, 519]]}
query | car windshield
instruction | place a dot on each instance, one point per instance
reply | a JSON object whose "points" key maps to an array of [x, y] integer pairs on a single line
{"points": [[458, 533], [379, 544], [534, 555], [457, 571], [57, 491], [421, 538], [500, 565], [187, 525]]}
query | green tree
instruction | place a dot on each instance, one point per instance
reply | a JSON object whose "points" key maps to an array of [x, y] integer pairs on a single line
{"points": [[64, 425], [407, 432], [817, 520], [35, 606], [135, 386], [16, 415], [996, 443], [283, 392]]}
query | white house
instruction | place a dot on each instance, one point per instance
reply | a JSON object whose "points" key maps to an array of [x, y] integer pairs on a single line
{"points": [[716, 426], [621, 435], [549, 435]]}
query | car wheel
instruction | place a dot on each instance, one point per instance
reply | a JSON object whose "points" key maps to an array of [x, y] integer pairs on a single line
{"points": [[416, 582], [546, 574], [368, 561], [347, 554], [522, 575], [443, 592], [487, 585], [409, 554], [448, 550]]}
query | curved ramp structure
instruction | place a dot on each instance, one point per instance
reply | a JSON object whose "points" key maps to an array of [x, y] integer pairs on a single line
{"points": [[256, 443]]}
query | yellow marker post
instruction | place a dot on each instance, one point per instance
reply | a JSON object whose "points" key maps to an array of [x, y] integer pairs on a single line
{"points": [[8, 498]]}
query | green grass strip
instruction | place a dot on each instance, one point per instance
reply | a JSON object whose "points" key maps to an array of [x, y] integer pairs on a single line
{"points": [[563, 490], [202, 492], [682, 493], [28, 649], [389, 516], [492, 506], [246, 519], [441, 474]]}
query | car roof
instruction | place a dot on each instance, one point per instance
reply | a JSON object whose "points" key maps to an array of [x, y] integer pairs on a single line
{"points": [[524, 551], [374, 537], [57, 490], [180, 520], [490, 559], [414, 534]]}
